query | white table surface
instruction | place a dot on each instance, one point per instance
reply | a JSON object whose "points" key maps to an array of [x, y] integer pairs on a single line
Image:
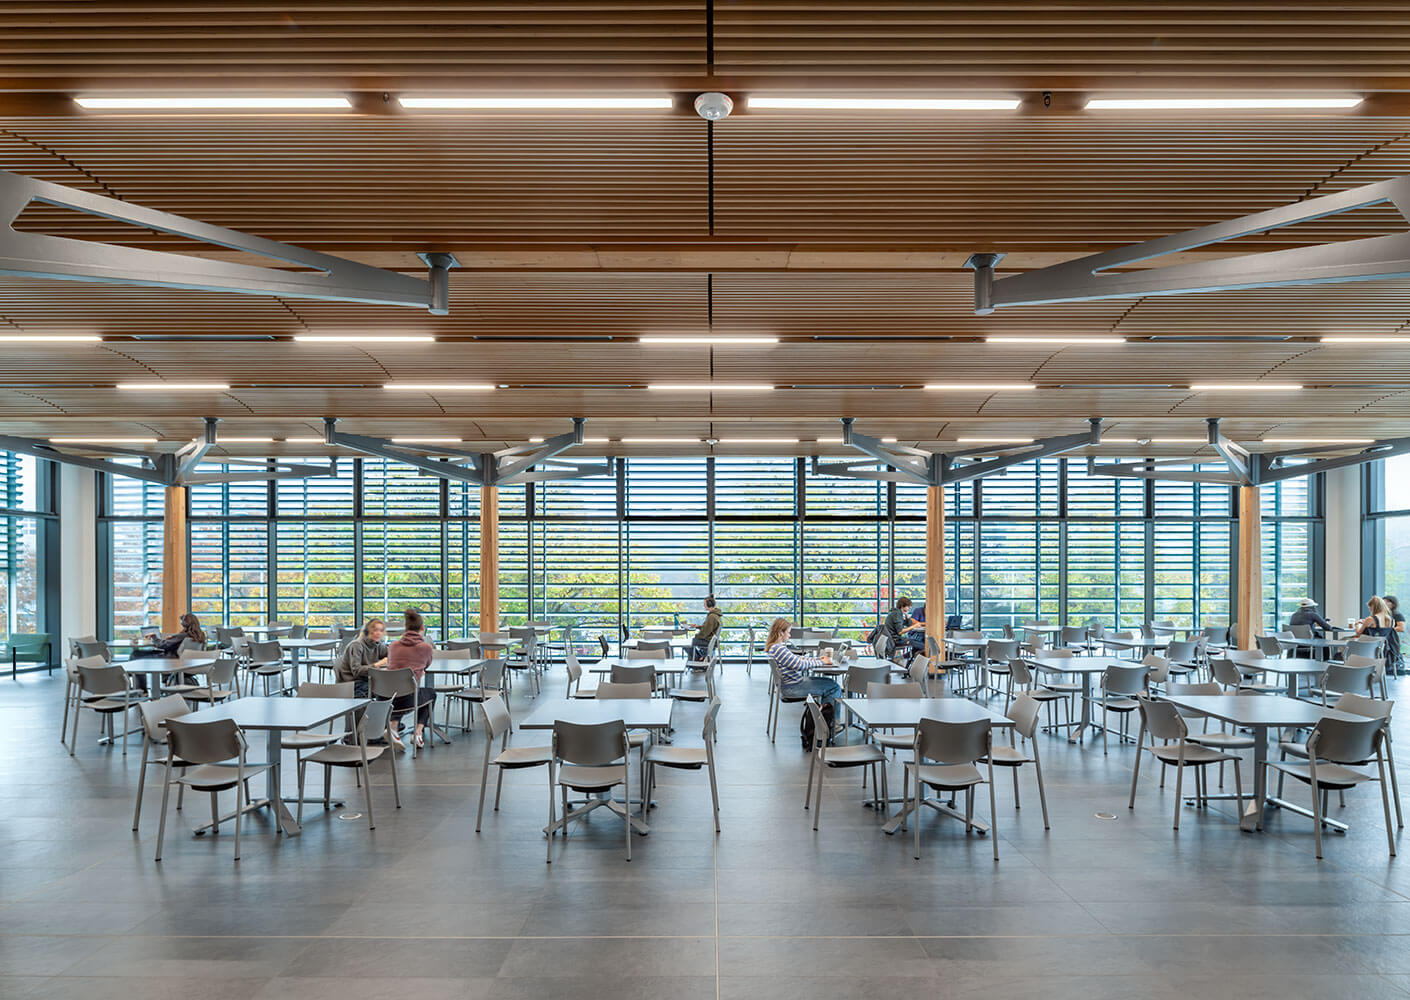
{"points": [[636, 713]]}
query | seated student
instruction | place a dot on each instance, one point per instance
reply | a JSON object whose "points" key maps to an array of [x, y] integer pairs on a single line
{"points": [[792, 667], [367, 652], [1381, 623], [916, 636], [1398, 622], [899, 626], [414, 652], [709, 628], [190, 636], [1306, 614]]}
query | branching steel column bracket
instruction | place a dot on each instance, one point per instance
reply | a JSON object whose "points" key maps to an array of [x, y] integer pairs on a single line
{"points": [[165, 468], [913, 465], [1093, 277], [502, 468], [1243, 468], [35, 255]]}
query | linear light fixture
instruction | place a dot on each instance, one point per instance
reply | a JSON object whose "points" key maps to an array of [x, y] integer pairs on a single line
{"points": [[1365, 340], [49, 338], [1080, 341], [760, 441], [425, 440], [588, 440], [655, 440], [365, 338], [1244, 387], [305, 440], [1250, 103], [982, 386], [539, 440], [782, 103], [718, 341], [103, 440], [709, 387], [1317, 441], [993, 440], [242, 440], [215, 103], [439, 386], [525, 103], [1154, 440], [177, 386]]}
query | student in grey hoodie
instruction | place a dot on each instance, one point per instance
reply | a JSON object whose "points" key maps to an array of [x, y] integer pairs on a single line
{"points": [[367, 652]]}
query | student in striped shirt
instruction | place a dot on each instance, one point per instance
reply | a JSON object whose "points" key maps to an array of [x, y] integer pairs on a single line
{"points": [[792, 668]]}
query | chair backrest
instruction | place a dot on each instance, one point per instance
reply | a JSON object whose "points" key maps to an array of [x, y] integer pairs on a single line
{"points": [[952, 742], [1024, 713], [633, 675], [454, 645], [575, 669], [904, 689], [591, 745], [880, 645], [1301, 631], [1359, 704], [645, 649], [497, 719], [1123, 680], [391, 683], [491, 675], [858, 678], [72, 664], [1148, 630], [1270, 646], [266, 652], [1176, 688], [1001, 650], [1341, 677], [658, 635], [154, 713], [932, 647], [84, 650], [1226, 672], [821, 732], [298, 631], [1162, 719], [1018, 667], [1344, 742], [346, 631], [222, 671], [1363, 647], [1157, 666], [192, 652], [102, 680], [1073, 634], [371, 721], [1217, 634], [1182, 651], [644, 654], [607, 689], [604, 645], [204, 742], [460, 653], [919, 673], [1059, 654], [522, 632], [707, 729], [342, 689]]}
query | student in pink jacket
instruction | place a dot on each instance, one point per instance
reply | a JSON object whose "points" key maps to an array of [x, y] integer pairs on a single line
{"points": [[414, 652]]}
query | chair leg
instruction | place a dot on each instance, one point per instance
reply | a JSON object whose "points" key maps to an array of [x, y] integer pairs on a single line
{"points": [[166, 791], [1136, 770], [812, 766], [552, 818], [303, 769], [1394, 783], [1042, 795], [365, 771], [627, 795], [1316, 816], [1015, 789], [141, 782], [1179, 785], [1385, 804], [994, 812], [817, 806], [920, 800], [484, 779], [1238, 788], [239, 812]]}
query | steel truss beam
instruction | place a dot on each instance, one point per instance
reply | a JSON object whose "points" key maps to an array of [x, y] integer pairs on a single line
{"points": [[1243, 468], [502, 468], [913, 465], [1093, 277], [35, 255], [167, 469]]}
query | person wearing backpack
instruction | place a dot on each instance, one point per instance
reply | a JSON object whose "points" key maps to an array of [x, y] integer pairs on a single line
{"points": [[792, 673]]}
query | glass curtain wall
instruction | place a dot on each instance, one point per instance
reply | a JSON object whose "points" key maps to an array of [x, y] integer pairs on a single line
{"points": [[26, 512], [1386, 528], [650, 541]]}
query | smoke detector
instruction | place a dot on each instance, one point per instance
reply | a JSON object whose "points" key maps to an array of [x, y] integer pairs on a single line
{"points": [[713, 106]]}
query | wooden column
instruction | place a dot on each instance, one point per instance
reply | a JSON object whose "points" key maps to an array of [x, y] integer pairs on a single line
{"points": [[1248, 609], [176, 565], [489, 559], [935, 565]]}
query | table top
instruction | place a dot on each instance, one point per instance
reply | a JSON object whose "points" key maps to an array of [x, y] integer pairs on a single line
{"points": [[676, 643], [1079, 664], [906, 713], [1140, 642], [968, 643], [1292, 665], [278, 713], [1257, 709], [305, 643], [637, 713], [1041, 629], [163, 664], [455, 664], [662, 665]]}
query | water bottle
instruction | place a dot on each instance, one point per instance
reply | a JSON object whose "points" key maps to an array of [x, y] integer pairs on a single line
{"points": [[678, 620]]}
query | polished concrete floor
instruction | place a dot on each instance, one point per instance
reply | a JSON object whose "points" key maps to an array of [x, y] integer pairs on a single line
{"points": [[423, 906]]}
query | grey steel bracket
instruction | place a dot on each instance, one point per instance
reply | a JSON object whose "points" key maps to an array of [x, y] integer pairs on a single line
{"points": [[164, 468], [36, 255], [914, 465], [506, 467], [1244, 468], [1091, 278]]}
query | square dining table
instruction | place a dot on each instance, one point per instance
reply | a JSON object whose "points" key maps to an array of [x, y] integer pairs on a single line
{"points": [[1084, 667]]}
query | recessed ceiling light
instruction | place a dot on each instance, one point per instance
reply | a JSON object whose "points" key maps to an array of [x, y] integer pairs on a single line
{"points": [[103, 440], [982, 386], [1244, 387], [1180, 440], [539, 440], [240, 440], [596, 440], [709, 387], [1221, 103], [177, 386], [993, 440], [425, 440], [1088, 341], [759, 441], [439, 386], [48, 338], [365, 338], [781, 103], [305, 440], [1317, 441], [655, 440], [1365, 340], [522, 103], [718, 341], [214, 103]]}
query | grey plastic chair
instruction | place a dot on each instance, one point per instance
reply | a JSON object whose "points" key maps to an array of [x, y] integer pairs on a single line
{"points": [[374, 718], [1232, 675], [575, 678], [591, 760], [1120, 686], [996, 663], [1183, 656], [1023, 680], [522, 658], [702, 696], [622, 674], [489, 683], [388, 685], [1334, 748], [646, 650], [73, 689], [207, 748], [105, 692], [1369, 708], [1163, 722], [220, 683], [154, 716], [954, 747], [1024, 714], [1354, 678], [498, 726], [315, 740], [855, 755], [266, 661], [777, 699], [889, 739], [683, 758]]}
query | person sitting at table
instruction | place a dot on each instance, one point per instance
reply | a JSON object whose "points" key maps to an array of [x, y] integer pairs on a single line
{"points": [[792, 670], [1381, 623], [708, 629], [414, 652], [367, 652], [170, 646], [916, 636], [1306, 614], [1393, 603], [899, 626]]}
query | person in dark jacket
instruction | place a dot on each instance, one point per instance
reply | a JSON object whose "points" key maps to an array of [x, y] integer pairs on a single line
{"points": [[171, 645], [1306, 614], [707, 630]]}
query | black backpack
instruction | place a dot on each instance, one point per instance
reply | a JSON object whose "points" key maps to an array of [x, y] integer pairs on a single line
{"points": [[805, 727]]}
